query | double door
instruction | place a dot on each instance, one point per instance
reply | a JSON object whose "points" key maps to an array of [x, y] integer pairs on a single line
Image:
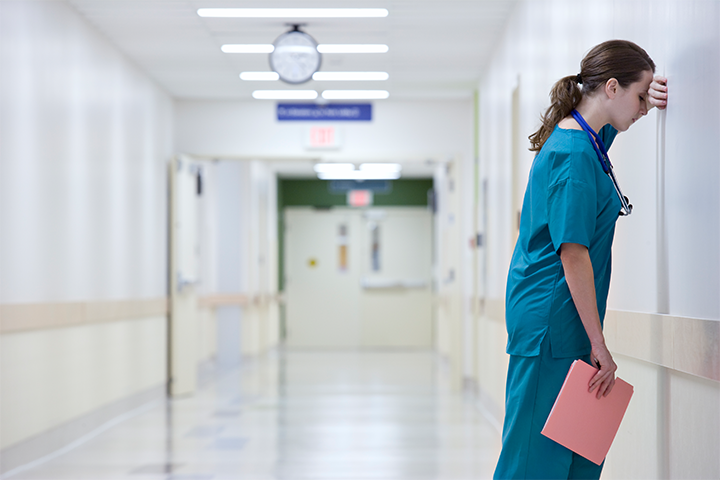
{"points": [[358, 278]]}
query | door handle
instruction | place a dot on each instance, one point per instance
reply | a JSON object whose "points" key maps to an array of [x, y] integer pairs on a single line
{"points": [[183, 282]]}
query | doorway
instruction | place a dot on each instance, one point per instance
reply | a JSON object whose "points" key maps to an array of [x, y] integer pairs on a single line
{"points": [[358, 278]]}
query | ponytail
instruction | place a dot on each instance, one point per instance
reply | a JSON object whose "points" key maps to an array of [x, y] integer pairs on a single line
{"points": [[564, 97], [618, 59]]}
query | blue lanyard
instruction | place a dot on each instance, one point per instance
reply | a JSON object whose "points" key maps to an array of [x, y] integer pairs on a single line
{"points": [[599, 146], [597, 142]]}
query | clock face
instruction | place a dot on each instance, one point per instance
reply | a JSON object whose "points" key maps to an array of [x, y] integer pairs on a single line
{"points": [[295, 57]]}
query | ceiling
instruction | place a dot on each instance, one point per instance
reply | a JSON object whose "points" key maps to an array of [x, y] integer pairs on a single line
{"points": [[438, 49]]}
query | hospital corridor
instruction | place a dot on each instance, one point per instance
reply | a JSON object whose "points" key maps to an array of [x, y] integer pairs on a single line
{"points": [[253, 239]]}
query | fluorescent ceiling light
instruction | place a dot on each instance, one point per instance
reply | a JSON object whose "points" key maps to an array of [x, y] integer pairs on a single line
{"points": [[334, 167], [260, 76], [381, 167], [355, 94], [323, 48], [367, 171], [358, 175], [293, 12], [285, 94], [342, 76], [359, 48], [249, 48]]}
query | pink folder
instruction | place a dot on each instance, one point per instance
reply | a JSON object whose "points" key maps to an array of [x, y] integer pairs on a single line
{"points": [[582, 422]]}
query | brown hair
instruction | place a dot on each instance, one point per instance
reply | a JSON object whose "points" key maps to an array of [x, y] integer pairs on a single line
{"points": [[618, 59]]}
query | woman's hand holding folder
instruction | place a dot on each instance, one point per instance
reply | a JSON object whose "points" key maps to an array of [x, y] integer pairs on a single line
{"points": [[585, 424], [604, 380]]}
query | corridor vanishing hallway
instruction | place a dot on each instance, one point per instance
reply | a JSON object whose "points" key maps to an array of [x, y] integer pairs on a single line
{"points": [[298, 415]]}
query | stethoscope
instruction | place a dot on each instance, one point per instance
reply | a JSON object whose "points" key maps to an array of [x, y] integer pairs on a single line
{"points": [[626, 208]]}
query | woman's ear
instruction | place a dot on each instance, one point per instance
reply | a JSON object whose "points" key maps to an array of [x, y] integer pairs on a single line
{"points": [[611, 88]]}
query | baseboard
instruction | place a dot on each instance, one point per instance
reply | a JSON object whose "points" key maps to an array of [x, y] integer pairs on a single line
{"points": [[56, 438]]}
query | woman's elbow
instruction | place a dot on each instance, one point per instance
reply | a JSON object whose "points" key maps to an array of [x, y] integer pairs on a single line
{"points": [[572, 252]]}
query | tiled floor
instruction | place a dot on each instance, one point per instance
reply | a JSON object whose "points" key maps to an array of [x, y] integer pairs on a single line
{"points": [[299, 415]]}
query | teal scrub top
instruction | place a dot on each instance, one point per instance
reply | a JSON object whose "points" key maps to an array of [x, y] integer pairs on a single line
{"points": [[569, 199]]}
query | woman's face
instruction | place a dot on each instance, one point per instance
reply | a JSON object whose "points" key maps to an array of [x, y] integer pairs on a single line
{"points": [[628, 104]]}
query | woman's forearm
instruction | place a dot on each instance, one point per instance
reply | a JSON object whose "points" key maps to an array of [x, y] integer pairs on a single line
{"points": [[581, 282]]}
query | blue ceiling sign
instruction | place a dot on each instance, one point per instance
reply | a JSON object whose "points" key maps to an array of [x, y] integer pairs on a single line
{"points": [[347, 112]]}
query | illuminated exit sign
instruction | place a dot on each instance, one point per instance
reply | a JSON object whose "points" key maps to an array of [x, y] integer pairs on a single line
{"points": [[360, 198], [323, 138]]}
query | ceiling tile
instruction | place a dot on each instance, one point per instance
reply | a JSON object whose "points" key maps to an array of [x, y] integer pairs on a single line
{"points": [[438, 49]]}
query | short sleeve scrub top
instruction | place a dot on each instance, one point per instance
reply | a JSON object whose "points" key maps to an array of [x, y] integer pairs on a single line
{"points": [[569, 199]]}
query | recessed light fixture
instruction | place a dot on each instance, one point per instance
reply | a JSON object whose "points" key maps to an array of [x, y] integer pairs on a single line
{"points": [[358, 175], [349, 76], [248, 48], [259, 76], [285, 94], [355, 94], [323, 48], [367, 171], [293, 12], [381, 167], [352, 48]]}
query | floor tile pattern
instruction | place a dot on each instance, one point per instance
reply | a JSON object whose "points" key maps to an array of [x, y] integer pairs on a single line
{"points": [[325, 415]]}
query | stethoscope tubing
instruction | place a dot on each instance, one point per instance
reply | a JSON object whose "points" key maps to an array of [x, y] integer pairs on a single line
{"points": [[604, 158]]}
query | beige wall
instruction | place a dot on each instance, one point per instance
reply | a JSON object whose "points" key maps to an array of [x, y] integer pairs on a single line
{"points": [[671, 428], [492, 362], [52, 376]]}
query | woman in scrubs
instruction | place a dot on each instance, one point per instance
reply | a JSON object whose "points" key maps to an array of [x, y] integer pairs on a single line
{"points": [[560, 271]]}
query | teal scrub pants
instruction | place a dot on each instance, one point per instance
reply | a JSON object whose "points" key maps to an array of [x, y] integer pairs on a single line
{"points": [[533, 384]]}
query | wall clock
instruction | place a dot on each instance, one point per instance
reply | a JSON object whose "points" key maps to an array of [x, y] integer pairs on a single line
{"points": [[295, 57]]}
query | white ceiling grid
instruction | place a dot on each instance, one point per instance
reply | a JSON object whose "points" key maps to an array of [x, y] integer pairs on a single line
{"points": [[438, 49]]}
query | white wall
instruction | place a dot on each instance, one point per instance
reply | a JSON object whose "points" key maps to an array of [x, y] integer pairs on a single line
{"points": [[667, 254], [85, 138], [399, 130], [85, 141], [682, 38]]}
